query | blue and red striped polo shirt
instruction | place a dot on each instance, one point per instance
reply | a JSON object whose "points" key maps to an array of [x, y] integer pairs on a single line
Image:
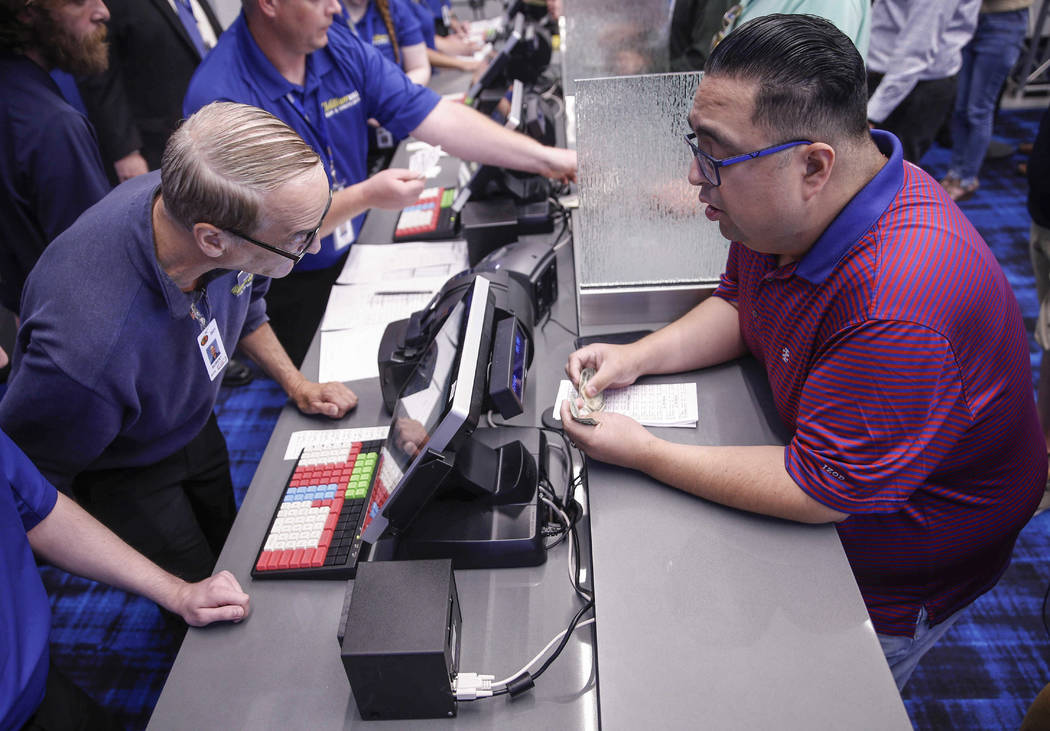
{"points": [[897, 355]]}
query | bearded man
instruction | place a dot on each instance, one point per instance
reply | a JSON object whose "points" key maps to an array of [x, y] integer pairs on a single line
{"points": [[50, 167]]}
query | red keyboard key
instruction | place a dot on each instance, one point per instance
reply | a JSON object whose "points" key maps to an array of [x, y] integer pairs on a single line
{"points": [[326, 538], [296, 561], [264, 561], [318, 557], [284, 559], [329, 524], [318, 504]]}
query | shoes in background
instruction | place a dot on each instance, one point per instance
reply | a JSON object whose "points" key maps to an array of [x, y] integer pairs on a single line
{"points": [[957, 189], [237, 374]]}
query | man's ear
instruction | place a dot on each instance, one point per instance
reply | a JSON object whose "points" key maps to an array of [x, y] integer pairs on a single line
{"points": [[213, 242], [819, 161], [266, 7]]}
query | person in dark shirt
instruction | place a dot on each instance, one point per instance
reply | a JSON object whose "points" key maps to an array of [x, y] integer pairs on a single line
{"points": [[50, 167], [115, 376]]}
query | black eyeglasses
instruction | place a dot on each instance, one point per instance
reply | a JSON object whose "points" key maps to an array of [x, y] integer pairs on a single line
{"points": [[709, 165], [301, 252]]}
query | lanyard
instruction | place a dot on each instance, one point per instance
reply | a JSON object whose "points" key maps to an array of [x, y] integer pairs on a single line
{"points": [[199, 300], [320, 131]]}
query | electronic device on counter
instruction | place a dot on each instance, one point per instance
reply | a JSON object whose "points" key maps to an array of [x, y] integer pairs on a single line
{"points": [[438, 492], [490, 87], [315, 529], [400, 639], [405, 342]]}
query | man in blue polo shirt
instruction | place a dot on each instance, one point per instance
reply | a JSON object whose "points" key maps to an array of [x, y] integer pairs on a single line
{"points": [[130, 316], [891, 339], [287, 56], [50, 167], [35, 518]]}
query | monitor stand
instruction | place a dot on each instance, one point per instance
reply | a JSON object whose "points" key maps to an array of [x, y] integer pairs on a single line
{"points": [[487, 514]]}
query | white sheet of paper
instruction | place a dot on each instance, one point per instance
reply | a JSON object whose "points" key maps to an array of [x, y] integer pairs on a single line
{"points": [[350, 355], [670, 404], [408, 267], [358, 306], [321, 438]]}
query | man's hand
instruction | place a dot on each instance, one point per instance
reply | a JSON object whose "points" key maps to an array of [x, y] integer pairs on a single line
{"points": [[560, 164], [455, 45], [216, 599], [613, 366], [130, 166], [332, 399], [394, 188], [617, 439]]}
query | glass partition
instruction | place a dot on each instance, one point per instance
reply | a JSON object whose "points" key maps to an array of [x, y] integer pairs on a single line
{"points": [[639, 223], [603, 38]]}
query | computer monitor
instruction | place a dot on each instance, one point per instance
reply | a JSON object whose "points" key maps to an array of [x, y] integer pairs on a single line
{"points": [[516, 115], [494, 76], [439, 491], [438, 408]]}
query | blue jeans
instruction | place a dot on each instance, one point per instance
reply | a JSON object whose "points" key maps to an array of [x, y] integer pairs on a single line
{"points": [[904, 653], [986, 62]]}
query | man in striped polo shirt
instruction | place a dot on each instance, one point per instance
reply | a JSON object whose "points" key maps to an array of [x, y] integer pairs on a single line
{"points": [[891, 339]]}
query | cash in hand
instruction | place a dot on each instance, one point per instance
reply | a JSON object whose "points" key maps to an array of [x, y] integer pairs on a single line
{"points": [[591, 404]]}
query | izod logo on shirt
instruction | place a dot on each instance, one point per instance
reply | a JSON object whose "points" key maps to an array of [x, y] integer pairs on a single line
{"points": [[340, 103]]}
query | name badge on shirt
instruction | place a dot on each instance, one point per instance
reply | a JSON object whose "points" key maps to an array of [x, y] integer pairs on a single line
{"points": [[214, 354], [384, 139], [344, 234]]}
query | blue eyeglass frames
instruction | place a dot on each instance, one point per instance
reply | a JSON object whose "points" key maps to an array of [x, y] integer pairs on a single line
{"points": [[709, 165]]}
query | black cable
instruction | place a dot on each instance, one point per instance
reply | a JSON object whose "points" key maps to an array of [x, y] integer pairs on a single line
{"points": [[551, 319], [564, 640]]}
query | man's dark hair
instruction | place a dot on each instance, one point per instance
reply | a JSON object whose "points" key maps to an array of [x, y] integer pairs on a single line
{"points": [[811, 79]]}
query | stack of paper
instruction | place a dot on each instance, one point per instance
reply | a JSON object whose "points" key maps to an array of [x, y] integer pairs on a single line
{"points": [[380, 285], [671, 404]]}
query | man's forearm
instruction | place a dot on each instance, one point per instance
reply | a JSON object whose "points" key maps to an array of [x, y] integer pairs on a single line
{"points": [[707, 335], [465, 133], [748, 478], [263, 347], [73, 540]]}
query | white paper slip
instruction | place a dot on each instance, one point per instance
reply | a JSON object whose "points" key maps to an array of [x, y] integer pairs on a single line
{"points": [[407, 267], [668, 404], [424, 160], [326, 438], [364, 306], [350, 355]]}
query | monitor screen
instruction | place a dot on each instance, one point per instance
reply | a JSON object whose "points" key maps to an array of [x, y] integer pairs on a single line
{"points": [[439, 406], [493, 73]]}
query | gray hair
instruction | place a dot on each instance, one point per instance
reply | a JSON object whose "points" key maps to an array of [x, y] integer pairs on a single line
{"points": [[220, 163]]}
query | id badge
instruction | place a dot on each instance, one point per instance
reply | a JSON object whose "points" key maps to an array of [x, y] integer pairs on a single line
{"points": [[446, 16], [212, 350], [384, 140]]}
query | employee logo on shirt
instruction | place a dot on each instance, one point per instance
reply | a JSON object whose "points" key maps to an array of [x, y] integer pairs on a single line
{"points": [[340, 103], [380, 39], [244, 280], [785, 355], [204, 339]]}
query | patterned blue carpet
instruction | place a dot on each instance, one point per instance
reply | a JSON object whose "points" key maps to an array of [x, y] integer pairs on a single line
{"points": [[982, 675]]}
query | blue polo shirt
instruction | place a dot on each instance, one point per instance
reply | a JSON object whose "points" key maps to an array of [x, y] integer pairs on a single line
{"points": [[347, 82], [107, 371], [426, 21], [897, 355], [26, 498], [50, 169], [372, 30]]}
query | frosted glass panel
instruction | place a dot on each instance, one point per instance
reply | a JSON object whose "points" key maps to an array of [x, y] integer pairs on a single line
{"points": [[605, 38], [639, 220]]}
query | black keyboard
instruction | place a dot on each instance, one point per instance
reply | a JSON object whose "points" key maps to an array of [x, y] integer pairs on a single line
{"points": [[315, 532]]}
